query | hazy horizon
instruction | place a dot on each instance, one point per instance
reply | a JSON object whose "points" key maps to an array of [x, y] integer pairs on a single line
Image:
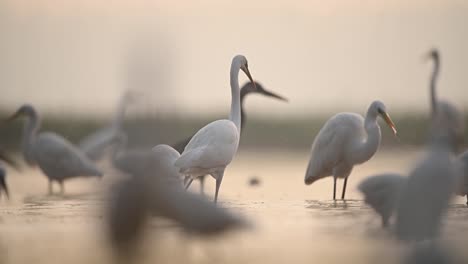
{"points": [[325, 57]]}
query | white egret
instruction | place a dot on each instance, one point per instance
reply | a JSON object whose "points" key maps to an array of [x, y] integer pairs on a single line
{"points": [[246, 89], [462, 188], [214, 146], [425, 197], [95, 144], [151, 189], [381, 192], [58, 159], [3, 185], [453, 116], [346, 139]]}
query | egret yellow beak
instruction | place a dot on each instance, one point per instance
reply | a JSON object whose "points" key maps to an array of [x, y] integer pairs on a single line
{"points": [[390, 123], [246, 71]]}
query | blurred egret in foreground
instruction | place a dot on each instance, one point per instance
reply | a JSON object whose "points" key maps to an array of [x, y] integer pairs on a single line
{"points": [[425, 197], [3, 184], [57, 158], [151, 189], [248, 88], [95, 144], [381, 192], [346, 139], [214, 146], [453, 117]]}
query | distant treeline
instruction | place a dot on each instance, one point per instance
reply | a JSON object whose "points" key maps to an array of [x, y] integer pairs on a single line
{"points": [[146, 131]]}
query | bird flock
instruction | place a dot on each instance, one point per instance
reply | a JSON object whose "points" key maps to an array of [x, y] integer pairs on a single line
{"points": [[155, 180]]}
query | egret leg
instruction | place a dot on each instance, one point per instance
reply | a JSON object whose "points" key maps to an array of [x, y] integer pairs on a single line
{"points": [[62, 188], [219, 179], [202, 184], [4, 186], [384, 222], [186, 179], [344, 188], [334, 188], [50, 187], [466, 199], [188, 183]]}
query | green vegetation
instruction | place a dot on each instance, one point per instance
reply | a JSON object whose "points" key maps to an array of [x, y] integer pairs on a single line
{"points": [[145, 131]]}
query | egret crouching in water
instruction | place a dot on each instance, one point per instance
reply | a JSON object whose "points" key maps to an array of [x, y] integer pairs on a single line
{"points": [[154, 188], [346, 139], [381, 192], [214, 146], [58, 159]]}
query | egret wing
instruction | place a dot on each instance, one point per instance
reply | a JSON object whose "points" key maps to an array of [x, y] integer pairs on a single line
{"points": [[60, 159]]}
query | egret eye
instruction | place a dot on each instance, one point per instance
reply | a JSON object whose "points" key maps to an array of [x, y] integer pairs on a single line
{"points": [[380, 111]]}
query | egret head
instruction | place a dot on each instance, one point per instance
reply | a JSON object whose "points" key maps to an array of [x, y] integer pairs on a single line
{"points": [[24, 110], [258, 88], [433, 54], [242, 63], [381, 110]]}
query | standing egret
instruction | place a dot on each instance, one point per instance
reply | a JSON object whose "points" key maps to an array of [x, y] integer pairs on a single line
{"points": [[213, 147], [58, 159], [462, 188], [346, 139], [248, 88], [425, 197], [151, 189], [3, 184], [454, 119], [95, 144], [453, 116], [381, 192]]}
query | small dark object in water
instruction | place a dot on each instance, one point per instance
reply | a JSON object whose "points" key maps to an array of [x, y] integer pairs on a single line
{"points": [[254, 181]]}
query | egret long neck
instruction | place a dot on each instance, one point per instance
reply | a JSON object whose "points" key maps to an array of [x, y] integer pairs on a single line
{"points": [[364, 150], [119, 116], [235, 115], [29, 135], [243, 93], [434, 76]]}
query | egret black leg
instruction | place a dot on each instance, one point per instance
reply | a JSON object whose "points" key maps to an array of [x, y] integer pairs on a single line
{"points": [[334, 188], [467, 199], [344, 188], [202, 184], [188, 183], [62, 188], [219, 179], [50, 187]]}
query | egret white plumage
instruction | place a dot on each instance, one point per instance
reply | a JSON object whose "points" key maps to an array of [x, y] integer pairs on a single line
{"points": [[214, 146], [95, 144], [58, 158], [151, 189], [425, 197], [346, 139], [453, 116], [462, 188], [3, 173], [381, 192], [248, 88]]}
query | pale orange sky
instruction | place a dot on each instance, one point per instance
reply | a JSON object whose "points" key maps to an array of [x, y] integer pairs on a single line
{"points": [[325, 56]]}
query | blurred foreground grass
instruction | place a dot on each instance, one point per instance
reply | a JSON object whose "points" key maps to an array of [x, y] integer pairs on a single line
{"points": [[147, 131]]}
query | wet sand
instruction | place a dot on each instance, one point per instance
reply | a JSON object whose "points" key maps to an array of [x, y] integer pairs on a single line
{"points": [[292, 223]]}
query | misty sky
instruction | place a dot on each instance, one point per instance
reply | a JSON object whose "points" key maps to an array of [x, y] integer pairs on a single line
{"points": [[325, 56]]}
